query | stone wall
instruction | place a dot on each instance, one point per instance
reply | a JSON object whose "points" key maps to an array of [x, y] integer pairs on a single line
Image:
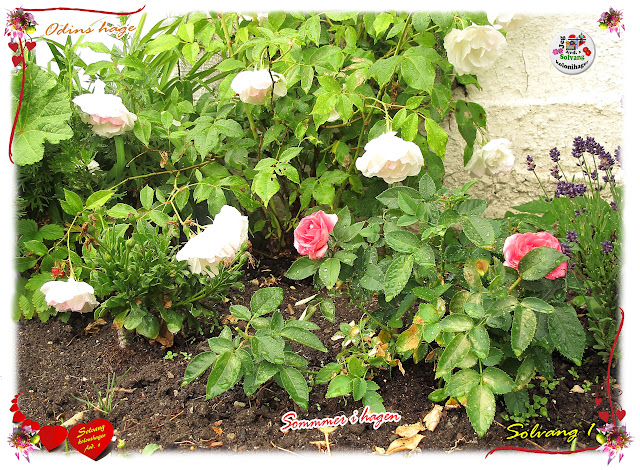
{"points": [[537, 107]]}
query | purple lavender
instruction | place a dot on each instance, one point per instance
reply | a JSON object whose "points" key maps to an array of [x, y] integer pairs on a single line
{"points": [[555, 172], [566, 249], [530, 165], [554, 154], [607, 246], [571, 190], [613, 205], [572, 235]]}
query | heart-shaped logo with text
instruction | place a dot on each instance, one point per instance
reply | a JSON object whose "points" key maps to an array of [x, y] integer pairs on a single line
{"points": [[91, 439], [52, 436]]}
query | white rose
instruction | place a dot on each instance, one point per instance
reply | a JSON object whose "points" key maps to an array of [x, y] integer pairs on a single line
{"points": [[390, 158], [220, 240], [495, 157], [474, 48], [105, 113], [254, 86], [508, 21], [69, 295]]}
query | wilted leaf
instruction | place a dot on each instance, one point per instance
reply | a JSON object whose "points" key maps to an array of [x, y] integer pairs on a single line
{"points": [[405, 443], [409, 430], [94, 326], [432, 418]]}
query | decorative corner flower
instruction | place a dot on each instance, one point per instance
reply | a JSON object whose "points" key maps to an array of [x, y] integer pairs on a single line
{"points": [[69, 295], [612, 20], [312, 234], [220, 240], [474, 48], [390, 158], [254, 86], [22, 439], [19, 22], [105, 113], [613, 439], [494, 157]]}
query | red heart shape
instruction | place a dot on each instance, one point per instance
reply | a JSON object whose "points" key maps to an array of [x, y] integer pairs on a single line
{"points": [[15, 400], [18, 417], [13, 46], [621, 414], [91, 439], [598, 401], [30, 44], [52, 436], [14, 407], [17, 59], [604, 416], [32, 424]]}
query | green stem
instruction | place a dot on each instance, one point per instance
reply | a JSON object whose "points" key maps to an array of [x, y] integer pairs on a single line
{"points": [[274, 219], [254, 131], [515, 284], [120, 155], [69, 246], [226, 35]]}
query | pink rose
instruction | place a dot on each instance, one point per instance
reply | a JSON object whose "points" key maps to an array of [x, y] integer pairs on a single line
{"points": [[519, 244], [311, 235]]}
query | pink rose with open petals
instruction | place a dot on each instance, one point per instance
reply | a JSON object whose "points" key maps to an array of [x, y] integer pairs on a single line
{"points": [[311, 235], [519, 244]]}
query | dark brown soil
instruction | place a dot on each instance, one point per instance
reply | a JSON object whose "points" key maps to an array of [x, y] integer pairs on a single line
{"points": [[58, 361]]}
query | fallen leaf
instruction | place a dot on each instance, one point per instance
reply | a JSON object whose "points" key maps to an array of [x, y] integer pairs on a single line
{"points": [[405, 443], [94, 326], [409, 430], [432, 418], [217, 430], [379, 450], [451, 404], [165, 337], [211, 443], [577, 389], [124, 390]]}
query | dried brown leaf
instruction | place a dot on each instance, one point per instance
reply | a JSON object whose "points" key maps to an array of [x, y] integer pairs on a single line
{"points": [[94, 326], [405, 443], [124, 390], [212, 443], [75, 419], [577, 389], [379, 450], [217, 430], [409, 430], [432, 418], [451, 404]]}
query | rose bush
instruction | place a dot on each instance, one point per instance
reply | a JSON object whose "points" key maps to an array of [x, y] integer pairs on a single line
{"points": [[220, 240], [474, 48], [311, 235], [69, 295], [254, 86], [105, 113], [494, 157], [519, 244], [390, 158]]}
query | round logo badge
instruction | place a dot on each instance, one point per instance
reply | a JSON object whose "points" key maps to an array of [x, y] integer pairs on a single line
{"points": [[572, 51]]}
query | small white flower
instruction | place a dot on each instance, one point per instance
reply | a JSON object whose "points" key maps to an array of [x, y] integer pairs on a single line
{"points": [[495, 157], [92, 166], [390, 158], [333, 115], [69, 295], [106, 113], [220, 240], [474, 48], [254, 86]]}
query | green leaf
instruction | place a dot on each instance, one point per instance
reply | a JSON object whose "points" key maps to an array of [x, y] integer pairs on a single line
{"points": [[73, 201], [266, 300], [340, 386], [329, 272], [303, 268], [185, 32], [228, 65], [162, 43], [480, 341], [224, 375], [121, 211], [303, 336], [425, 257], [397, 276], [427, 186], [328, 309], [190, 52], [409, 340], [456, 322], [402, 241], [150, 449], [98, 199], [51, 232], [198, 365], [539, 262], [497, 380], [263, 372], [295, 385], [418, 72], [453, 354], [221, 345], [43, 114], [382, 70], [240, 312], [523, 328], [134, 318], [481, 408], [146, 197], [389, 197], [149, 326], [265, 184], [410, 127], [374, 401], [382, 22], [537, 305], [325, 374], [461, 383], [479, 230], [228, 128], [271, 348], [36, 247], [566, 332], [525, 373]]}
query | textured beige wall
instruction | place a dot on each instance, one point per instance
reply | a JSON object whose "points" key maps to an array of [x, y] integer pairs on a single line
{"points": [[537, 107]]}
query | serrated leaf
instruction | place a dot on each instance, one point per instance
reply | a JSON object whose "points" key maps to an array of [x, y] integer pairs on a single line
{"points": [[453, 354], [456, 322], [397, 276], [162, 43], [409, 340], [402, 241], [537, 305], [121, 211], [240, 312], [43, 114], [462, 382], [329, 272], [198, 365], [340, 386], [295, 385], [525, 373], [327, 372], [303, 336], [539, 262], [220, 345], [497, 380], [272, 349], [303, 268], [74, 202], [566, 332], [481, 408], [224, 375], [98, 199], [479, 230], [146, 197], [266, 300], [523, 328], [480, 342], [265, 184], [51, 232]]}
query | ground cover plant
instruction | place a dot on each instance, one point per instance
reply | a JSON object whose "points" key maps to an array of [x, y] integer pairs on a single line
{"points": [[198, 148]]}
